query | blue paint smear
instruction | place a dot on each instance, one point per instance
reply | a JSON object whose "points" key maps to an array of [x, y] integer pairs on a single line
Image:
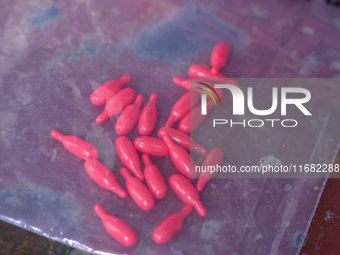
{"points": [[209, 229], [87, 48], [46, 14], [73, 56], [182, 37], [299, 238]]}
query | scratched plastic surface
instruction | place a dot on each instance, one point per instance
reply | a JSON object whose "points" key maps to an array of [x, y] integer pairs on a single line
{"points": [[53, 54]]}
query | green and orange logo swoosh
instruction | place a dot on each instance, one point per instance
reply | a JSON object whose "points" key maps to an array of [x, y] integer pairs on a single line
{"points": [[208, 92]]}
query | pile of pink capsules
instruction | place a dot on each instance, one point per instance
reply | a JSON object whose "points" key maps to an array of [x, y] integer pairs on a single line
{"points": [[170, 142]]}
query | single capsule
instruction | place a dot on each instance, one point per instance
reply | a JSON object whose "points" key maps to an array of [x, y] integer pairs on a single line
{"points": [[138, 191], [148, 116], [129, 156], [154, 178], [181, 158], [186, 192], [194, 118], [152, 146], [77, 146], [103, 176], [170, 226], [116, 227], [213, 158], [219, 57], [105, 92], [182, 107], [129, 117]]}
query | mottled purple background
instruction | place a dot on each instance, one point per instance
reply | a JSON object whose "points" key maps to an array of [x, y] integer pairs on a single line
{"points": [[53, 54]]}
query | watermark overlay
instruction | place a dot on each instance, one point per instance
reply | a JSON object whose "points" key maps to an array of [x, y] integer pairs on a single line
{"points": [[267, 127], [239, 103], [264, 171]]}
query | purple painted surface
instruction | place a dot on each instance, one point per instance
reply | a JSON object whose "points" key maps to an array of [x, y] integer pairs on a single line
{"points": [[53, 54]]}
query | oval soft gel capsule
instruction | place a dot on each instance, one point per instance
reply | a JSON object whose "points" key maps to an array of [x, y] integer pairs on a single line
{"points": [[129, 117], [170, 226], [138, 191], [77, 146], [116, 227], [129, 156], [148, 116], [186, 192]]}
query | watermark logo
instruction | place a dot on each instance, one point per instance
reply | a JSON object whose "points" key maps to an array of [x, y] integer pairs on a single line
{"points": [[208, 92], [239, 103]]}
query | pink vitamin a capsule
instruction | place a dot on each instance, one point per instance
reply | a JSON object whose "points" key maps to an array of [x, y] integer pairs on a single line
{"points": [[152, 146], [138, 191], [117, 104], [219, 57], [199, 71], [116, 227], [129, 156], [103, 176], [181, 158], [182, 139], [182, 107], [148, 116], [213, 158], [169, 227], [105, 92], [77, 146], [186, 192], [129, 117], [196, 117], [154, 178]]}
